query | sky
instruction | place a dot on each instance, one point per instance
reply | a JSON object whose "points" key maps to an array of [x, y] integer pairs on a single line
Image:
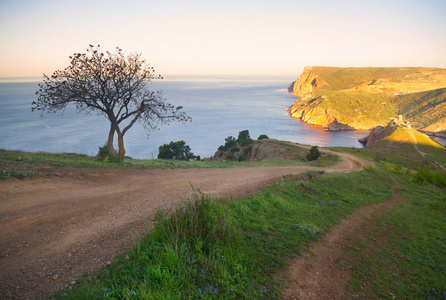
{"points": [[275, 38]]}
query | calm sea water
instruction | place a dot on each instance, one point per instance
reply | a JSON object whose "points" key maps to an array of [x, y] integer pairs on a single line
{"points": [[219, 108]]}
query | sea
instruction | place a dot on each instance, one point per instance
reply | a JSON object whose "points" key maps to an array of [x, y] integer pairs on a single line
{"points": [[219, 107]]}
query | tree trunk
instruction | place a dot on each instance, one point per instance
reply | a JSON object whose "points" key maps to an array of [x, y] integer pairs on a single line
{"points": [[121, 152], [111, 136]]}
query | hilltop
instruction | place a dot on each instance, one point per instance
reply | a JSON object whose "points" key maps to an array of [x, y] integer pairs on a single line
{"points": [[363, 98], [403, 140]]}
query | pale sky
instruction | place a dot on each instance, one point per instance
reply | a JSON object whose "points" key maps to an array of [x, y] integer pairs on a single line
{"points": [[230, 37]]}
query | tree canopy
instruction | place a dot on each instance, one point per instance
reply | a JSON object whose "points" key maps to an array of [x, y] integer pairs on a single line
{"points": [[112, 84], [176, 150], [314, 153]]}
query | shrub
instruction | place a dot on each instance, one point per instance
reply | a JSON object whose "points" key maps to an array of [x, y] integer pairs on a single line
{"points": [[176, 150], [103, 152], [313, 154], [262, 137], [230, 142], [368, 168], [244, 139], [426, 174], [200, 224], [247, 150]]}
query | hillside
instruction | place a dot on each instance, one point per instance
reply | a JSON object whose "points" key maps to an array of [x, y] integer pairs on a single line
{"points": [[406, 141], [363, 98]]}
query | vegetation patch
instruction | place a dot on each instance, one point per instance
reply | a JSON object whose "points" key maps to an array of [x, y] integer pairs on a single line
{"points": [[230, 249], [404, 253]]}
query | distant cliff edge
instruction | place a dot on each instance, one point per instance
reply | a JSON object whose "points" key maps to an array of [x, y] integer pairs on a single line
{"points": [[363, 98]]}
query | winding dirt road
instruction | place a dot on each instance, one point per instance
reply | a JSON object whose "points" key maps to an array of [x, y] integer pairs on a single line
{"points": [[53, 229]]}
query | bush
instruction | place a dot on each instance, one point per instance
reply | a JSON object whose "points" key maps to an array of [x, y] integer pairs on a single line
{"points": [[426, 174], [103, 152], [313, 154], [262, 137], [176, 150], [244, 139], [230, 142]]}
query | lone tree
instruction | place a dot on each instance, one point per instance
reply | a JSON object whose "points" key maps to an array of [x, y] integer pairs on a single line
{"points": [[114, 85]]}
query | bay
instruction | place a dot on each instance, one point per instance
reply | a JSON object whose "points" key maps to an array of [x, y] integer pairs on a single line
{"points": [[219, 107]]}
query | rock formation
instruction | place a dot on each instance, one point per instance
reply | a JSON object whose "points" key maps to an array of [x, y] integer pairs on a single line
{"points": [[363, 98]]}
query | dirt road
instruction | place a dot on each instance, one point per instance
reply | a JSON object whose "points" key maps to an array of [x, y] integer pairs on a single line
{"points": [[54, 229]]}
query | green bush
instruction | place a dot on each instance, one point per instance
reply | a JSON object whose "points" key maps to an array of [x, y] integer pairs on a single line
{"points": [[176, 150], [230, 142], [244, 138], [262, 137], [313, 154], [103, 152], [426, 174]]}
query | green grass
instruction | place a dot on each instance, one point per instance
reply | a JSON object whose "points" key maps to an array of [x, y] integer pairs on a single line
{"points": [[18, 174], [377, 156], [229, 249], [424, 108], [19, 163], [233, 246], [406, 247]]}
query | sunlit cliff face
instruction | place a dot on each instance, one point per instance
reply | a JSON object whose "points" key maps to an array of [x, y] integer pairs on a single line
{"points": [[363, 98]]}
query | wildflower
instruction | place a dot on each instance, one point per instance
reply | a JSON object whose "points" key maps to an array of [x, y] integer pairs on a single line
{"points": [[199, 291], [133, 293], [106, 290]]}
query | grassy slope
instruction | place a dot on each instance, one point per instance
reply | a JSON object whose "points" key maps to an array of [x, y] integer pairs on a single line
{"points": [[402, 255], [402, 142], [230, 248], [363, 97], [239, 245], [22, 164], [423, 109]]}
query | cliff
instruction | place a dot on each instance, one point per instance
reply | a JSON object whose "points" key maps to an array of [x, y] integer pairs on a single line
{"points": [[378, 133], [363, 98]]}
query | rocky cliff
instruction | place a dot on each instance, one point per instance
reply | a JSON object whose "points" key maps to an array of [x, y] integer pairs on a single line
{"points": [[378, 133], [361, 98]]}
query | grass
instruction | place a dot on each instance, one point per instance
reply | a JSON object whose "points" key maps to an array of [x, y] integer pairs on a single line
{"points": [[21, 164], [378, 156], [424, 108], [230, 249], [404, 257]]}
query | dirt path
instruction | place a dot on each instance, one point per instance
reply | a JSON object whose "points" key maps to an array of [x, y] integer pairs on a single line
{"points": [[415, 143], [54, 229], [322, 275]]}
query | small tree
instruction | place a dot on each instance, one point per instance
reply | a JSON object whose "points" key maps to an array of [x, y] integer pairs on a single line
{"points": [[113, 85], [244, 139], [230, 142], [262, 137], [314, 153], [176, 150]]}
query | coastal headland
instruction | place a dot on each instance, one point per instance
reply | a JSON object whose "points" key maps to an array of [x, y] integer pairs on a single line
{"points": [[363, 98]]}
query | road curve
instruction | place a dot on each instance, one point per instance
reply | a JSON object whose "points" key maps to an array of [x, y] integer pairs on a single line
{"points": [[53, 229]]}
